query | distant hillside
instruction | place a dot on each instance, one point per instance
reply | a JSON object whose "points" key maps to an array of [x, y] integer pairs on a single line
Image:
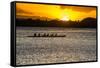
{"points": [[89, 22], [85, 23]]}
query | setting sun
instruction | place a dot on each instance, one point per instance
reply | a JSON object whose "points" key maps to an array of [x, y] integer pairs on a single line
{"points": [[65, 18]]}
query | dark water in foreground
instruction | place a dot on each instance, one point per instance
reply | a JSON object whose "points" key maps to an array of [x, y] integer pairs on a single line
{"points": [[78, 45]]}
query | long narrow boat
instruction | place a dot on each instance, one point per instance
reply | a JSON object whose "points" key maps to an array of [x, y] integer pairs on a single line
{"points": [[48, 34]]}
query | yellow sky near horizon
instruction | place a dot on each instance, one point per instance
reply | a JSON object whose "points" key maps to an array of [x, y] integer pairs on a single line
{"points": [[54, 11]]}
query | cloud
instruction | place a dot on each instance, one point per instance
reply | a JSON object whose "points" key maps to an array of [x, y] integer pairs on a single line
{"points": [[79, 8], [19, 11]]}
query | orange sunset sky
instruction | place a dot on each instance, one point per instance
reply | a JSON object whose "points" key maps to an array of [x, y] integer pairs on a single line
{"points": [[41, 11]]}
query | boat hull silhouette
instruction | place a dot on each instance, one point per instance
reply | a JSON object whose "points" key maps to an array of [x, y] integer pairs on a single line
{"points": [[47, 35]]}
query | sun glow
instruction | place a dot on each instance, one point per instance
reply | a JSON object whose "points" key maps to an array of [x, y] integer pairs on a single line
{"points": [[64, 18]]}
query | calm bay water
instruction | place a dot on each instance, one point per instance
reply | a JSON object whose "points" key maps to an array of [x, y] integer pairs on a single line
{"points": [[78, 45]]}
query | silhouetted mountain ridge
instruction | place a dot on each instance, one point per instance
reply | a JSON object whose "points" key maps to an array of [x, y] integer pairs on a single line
{"points": [[89, 20], [85, 23]]}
